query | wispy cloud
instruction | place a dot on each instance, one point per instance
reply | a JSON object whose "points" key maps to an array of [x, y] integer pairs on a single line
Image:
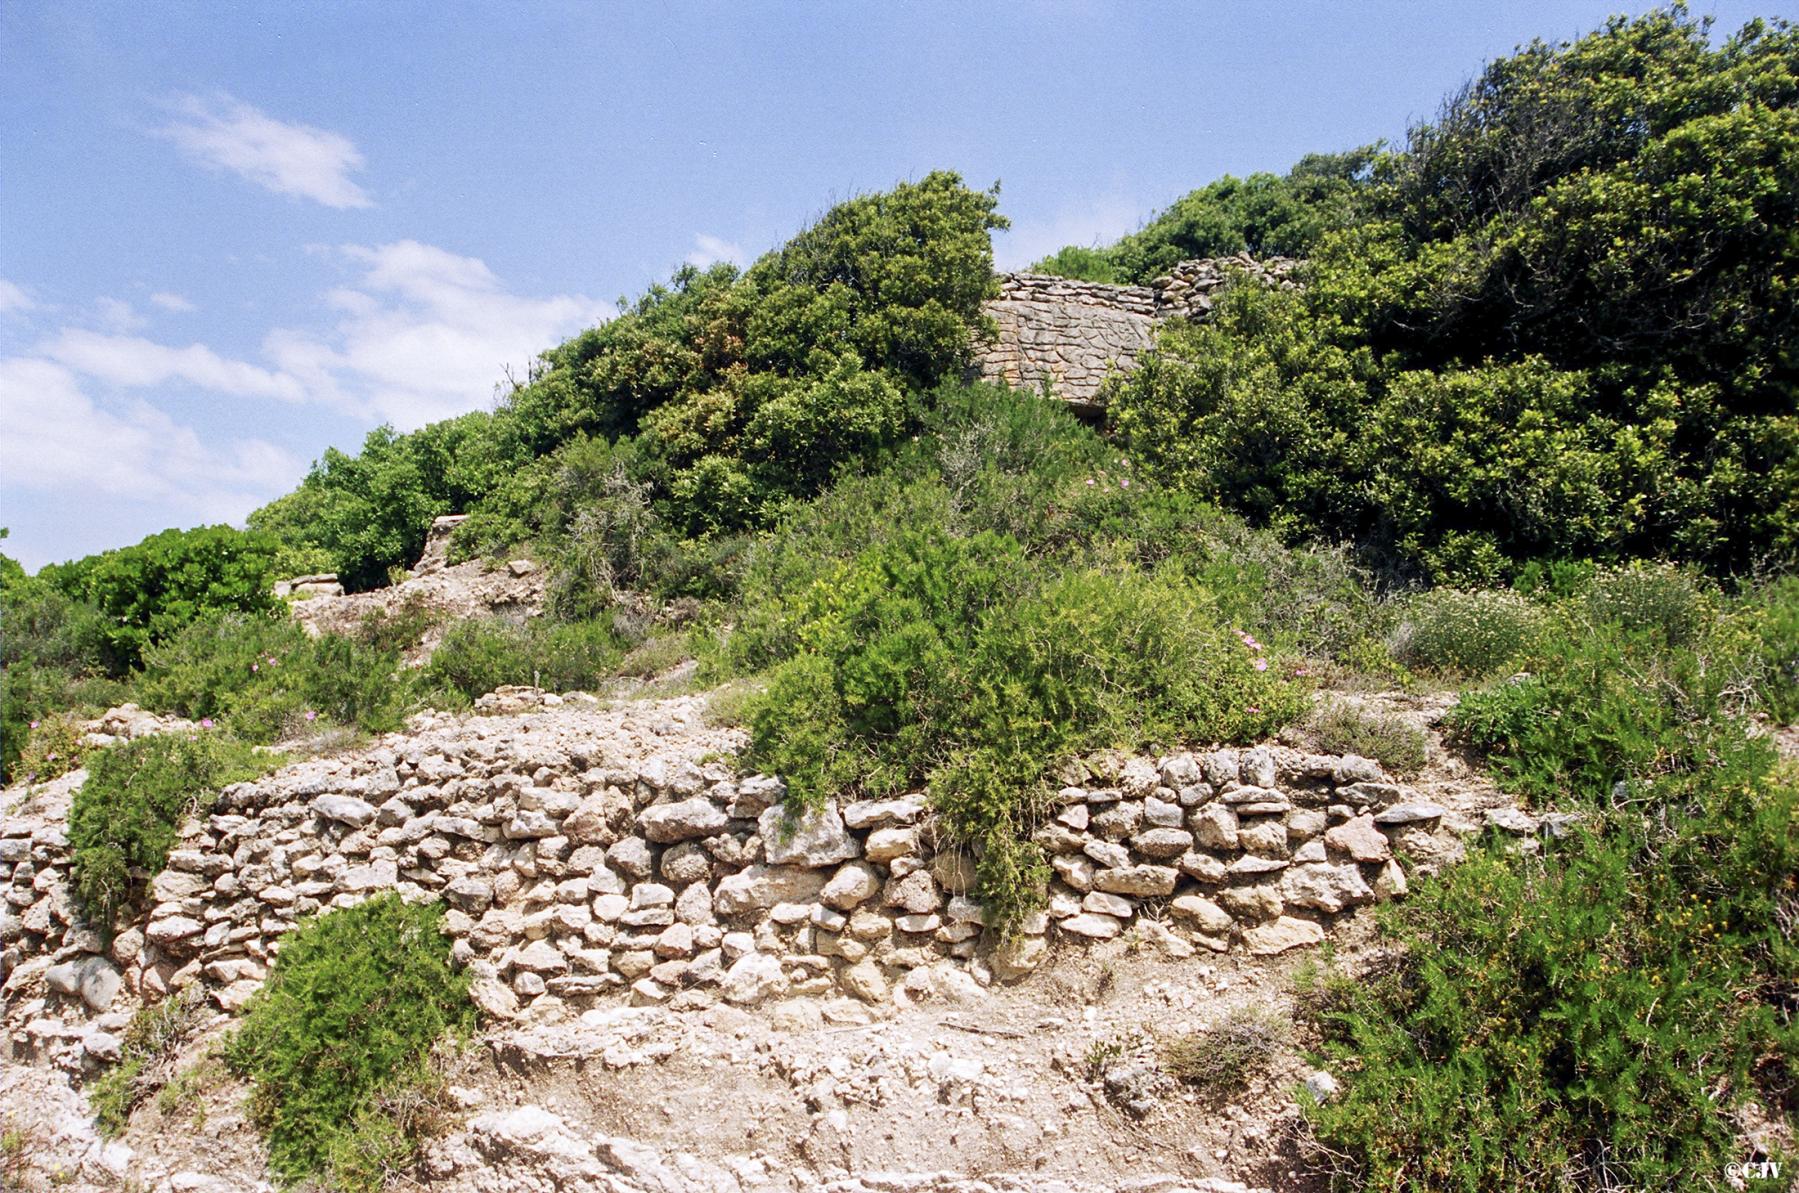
{"points": [[13, 298], [117, 315], [168, 300], [60, 439], [289, 159], [424, 334], [135, 362], [709, 250]]}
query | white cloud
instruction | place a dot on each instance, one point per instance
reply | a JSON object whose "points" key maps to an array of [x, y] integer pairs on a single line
{"points": [[424, 335], [13, 298], [710, 250], [136, 362], [1094, 221], [168, 300], [59, 440], [117, 315], [289, 159]]}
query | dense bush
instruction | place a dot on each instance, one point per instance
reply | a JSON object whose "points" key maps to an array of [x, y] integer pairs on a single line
{"points": [[1548, 327], [265, 678], [719, 397], [353, 1006], [1773, 615], [952, 662], [125, 818], [1593, 1013], [1591, 1018], [54, 661], [150, 591]]}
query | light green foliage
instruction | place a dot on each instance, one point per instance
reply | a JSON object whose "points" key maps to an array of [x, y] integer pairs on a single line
{"points": [[150, 591], [954, 663], [1468, 633], [126, 816], [1773, 615], [351, 1010], [479, 655], [265, 678], [1615, 998]]}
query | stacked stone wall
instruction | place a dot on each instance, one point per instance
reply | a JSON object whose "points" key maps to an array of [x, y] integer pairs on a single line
{"points": [[1067, 336], [580, 863]]}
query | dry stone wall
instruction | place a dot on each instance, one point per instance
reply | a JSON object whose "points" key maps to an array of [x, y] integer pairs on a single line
{"points": [[585, 854], [1067, 335]]}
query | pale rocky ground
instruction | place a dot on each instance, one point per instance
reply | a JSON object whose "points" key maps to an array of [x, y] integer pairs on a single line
{"points": [[940, 1078], [449, 593]]}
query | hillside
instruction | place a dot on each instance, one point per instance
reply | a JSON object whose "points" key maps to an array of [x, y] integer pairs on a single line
{"points": [[1301, 698]]}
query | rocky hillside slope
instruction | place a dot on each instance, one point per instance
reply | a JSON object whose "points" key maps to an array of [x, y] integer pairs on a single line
{"points": [[683, 989]]}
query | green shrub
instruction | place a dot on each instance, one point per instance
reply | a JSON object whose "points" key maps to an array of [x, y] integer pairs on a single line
{"points": [[1773, 612], [951, 662], [1669, 604], [354, 1004], [1594, 1016], [478, 655], [1222, 1061], [152, 590], [1340, 727], [1604, 705], [53, 747], [125, 818], [266, 678], [1468, 633]]}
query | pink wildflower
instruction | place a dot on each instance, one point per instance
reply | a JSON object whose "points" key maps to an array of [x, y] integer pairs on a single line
{"points": [[311, 716], [256, 666], [34, 724], [1254, 709], [1300, 671], [1089, 482], [1125, 483], [206, 722], [51, 757], [1261, 664]]}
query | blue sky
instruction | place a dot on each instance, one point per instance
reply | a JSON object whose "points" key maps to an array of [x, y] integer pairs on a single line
{"points": [[234, 234]]}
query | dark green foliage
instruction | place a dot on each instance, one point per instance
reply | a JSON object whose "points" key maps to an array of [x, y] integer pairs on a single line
{"points": [[1555, 327], [148, 592], [266, 678], [1593, 1014], [1264, 214], [696, 413], [477, 656], [126, 816], [351, 1010], [54, 658], [1588, 1018]]}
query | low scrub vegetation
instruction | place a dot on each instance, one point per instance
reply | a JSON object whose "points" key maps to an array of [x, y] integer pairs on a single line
{"points": [[337, 1045], [125, 818], [147, 1056]]}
